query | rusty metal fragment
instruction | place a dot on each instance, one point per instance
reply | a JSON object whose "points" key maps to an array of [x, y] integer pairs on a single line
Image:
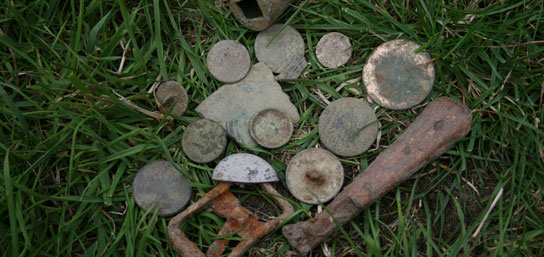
{"points": [[271, 128], [161, 184], [171, 93], [228, 61], [314, 173], [333, 50], [436, 129], [348, 126], [258, 14], [203, 141]]}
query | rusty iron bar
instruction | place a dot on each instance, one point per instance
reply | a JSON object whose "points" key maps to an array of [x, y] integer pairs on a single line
{"points": [[258, 14], [239, 220], [437, 128]]}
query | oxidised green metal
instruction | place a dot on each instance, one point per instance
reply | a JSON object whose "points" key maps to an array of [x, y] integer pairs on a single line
{"points": [[171, 93], [203, 141], [271, 128]]}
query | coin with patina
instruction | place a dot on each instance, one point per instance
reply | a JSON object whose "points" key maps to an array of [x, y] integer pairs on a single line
{"points": [[171, 95], [228, 61], [271, 128], [159, 184], [203, 141], [333, 50], [396, 77], [348, 126], [314, 175], [282, 51]]}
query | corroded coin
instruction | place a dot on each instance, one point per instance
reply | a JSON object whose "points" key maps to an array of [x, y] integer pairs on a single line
{"points": [[271, 128], [283, 53], [333, 50], [396, 77], [314, 173], [171, 93], [228, 61], [203, 141], [348, 126], [161, 184]]}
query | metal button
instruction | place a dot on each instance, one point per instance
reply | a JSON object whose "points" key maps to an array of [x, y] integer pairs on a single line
{"points": [[271, 128], [171, 93], [228, 61], [161, 184], [396, 77], [333, 50], [203, 141]]}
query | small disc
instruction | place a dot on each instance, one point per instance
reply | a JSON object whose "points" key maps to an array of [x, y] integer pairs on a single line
{"points": [[348, 126], [228, 61], [203, 141], [159, 182], [284, 49], [271, 128], [314, 172], [169, 93], [333, 50], [397, 78]]}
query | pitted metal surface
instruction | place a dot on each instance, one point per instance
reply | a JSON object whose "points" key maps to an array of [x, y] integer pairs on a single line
{"points": [[171, 93], [271, 128], [228, 61], [333, 50], [161, 184], [203, 141], [314, 173], [396, 77], [258, 14], [244, 168], [348, 127]]}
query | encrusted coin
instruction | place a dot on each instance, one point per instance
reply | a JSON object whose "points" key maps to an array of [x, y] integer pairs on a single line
{"points": [[397, 78], [271, 128], [203, 141], [171, 93], [348, 126], [314, 173], [333, 50], [160, 184], [283, 53], [228, 61]]}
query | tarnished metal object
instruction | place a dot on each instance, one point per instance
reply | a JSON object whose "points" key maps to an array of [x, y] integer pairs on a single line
{"points": [[314, 173], [171, 93], [437, 128], [271, 128], [348, 126], [228, 61], [244, 168], [258, 14], [225, 204], [282, 51], [161, 184], [203, 141], [234, 105], [396, 77], [333, 50]]}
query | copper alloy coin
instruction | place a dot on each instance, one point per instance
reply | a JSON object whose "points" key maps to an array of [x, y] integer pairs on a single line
{"points": [[161, 184], [171, 93], [333, 50], [203, 141], [228, 61], [348, 126], [397, 78], [271, 128], [314, 172], [279, 53]]}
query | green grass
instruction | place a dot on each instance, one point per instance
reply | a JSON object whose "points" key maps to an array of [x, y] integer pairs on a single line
{"points": [[70, 147]]}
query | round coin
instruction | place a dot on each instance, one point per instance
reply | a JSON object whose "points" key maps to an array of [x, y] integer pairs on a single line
{"points": [[159, 184], [397, 78], [171, 93], [203, 141], [333, 50], [278, 52], [348, 126], [314, 173], [228, 61], [271, 128]]}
